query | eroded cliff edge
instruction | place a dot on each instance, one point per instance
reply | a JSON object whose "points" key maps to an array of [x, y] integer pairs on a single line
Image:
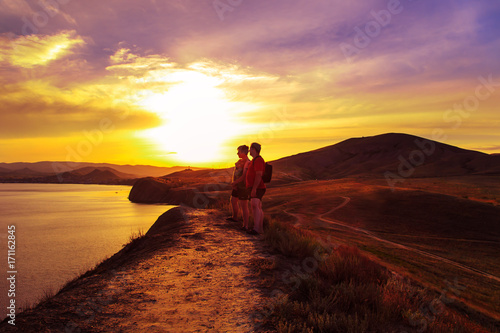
{"points": [[84, 294], [192, 271]]}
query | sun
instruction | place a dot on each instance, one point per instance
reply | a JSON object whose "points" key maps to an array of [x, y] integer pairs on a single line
{"points": [[198, 118]]}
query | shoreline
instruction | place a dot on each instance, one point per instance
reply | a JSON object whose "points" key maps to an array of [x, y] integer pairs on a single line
{"points": [[63, 231], [108, 268]]}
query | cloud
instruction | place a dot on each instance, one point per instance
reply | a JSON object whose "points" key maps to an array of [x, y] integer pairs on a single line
{"points": [[38, 109], [52, 8], [488, 148], [62, 100], [156, 73], [148, 89], [16, 7], [38, 50]]}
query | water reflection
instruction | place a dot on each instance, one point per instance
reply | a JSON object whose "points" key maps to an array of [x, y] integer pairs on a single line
{"points": [[63, 229]]}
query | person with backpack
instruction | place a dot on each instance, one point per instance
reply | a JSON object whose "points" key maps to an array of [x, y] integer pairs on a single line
{"points": [[256, 188]]}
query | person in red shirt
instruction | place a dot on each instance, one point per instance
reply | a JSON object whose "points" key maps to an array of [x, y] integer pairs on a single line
{"points": [[256, 188]]}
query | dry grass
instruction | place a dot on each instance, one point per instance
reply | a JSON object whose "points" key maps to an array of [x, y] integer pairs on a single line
{"points": [[348, 292], [135, 236], [347, 264], [289, 240], [425, 214], [221, 203]]}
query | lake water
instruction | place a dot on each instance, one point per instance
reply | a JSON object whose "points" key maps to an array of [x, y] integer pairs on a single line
{"points": [[62, 230]]}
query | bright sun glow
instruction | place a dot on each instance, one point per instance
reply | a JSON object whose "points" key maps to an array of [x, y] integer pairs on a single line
{"points": [[197, 116]]}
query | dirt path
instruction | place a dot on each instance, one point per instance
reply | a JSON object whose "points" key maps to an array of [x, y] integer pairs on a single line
{"points": [[368, 233], [211, 278], [205, 283]]}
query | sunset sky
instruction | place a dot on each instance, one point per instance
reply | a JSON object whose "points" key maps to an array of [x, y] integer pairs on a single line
{"points": [[184, 82]]}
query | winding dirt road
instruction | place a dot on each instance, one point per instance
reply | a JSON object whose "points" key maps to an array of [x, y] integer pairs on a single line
{"points": [[321, 217]]}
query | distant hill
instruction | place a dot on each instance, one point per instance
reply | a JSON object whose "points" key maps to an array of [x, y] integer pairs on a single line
{"points": [[86, 175], [89, 171], [101, 175], [52, 168], [401, 154], [396, 154], [4, 170], [24, 172]]}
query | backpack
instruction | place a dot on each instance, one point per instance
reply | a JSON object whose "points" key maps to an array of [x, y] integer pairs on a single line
{"points": [[268, 172]]}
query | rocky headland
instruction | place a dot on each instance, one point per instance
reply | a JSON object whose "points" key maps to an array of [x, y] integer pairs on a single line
{"points": [[186, 191]]}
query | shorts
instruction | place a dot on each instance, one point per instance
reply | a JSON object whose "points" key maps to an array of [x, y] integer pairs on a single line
{"points": [[259, 194], [241, 193]]}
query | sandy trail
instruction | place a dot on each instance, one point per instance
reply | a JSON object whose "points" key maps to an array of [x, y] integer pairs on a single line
{"points": [[205, 283], [210, 277]]}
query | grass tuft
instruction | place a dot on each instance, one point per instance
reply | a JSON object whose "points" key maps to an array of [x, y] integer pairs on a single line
{"points": [[289, 240], [347, 264], [135, 236]]}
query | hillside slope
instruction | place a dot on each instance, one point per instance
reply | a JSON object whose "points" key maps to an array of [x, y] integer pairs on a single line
{"points": [[401, 154], [49, 167]]}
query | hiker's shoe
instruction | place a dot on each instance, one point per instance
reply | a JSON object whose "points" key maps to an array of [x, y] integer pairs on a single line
{"points": [[230, 219], [252, 232]]}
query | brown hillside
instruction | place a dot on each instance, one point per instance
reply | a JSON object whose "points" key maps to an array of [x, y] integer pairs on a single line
{"points": [[393, 152], [102, 172]]}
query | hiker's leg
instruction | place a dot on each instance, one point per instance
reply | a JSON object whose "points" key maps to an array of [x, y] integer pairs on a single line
{"points": [[261, 223], [244, 212], [234, 206], [257, 212]]}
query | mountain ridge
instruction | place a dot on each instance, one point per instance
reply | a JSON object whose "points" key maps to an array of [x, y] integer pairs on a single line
{"points": [[390, 152], [57, 167]]}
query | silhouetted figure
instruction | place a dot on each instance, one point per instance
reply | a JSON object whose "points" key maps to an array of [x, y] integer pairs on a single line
{"points": [[256, 187], [239, 195]]}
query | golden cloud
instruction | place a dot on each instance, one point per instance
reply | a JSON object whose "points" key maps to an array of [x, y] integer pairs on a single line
{"points": [[38, 50], [36, 108], [157, 74]]}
